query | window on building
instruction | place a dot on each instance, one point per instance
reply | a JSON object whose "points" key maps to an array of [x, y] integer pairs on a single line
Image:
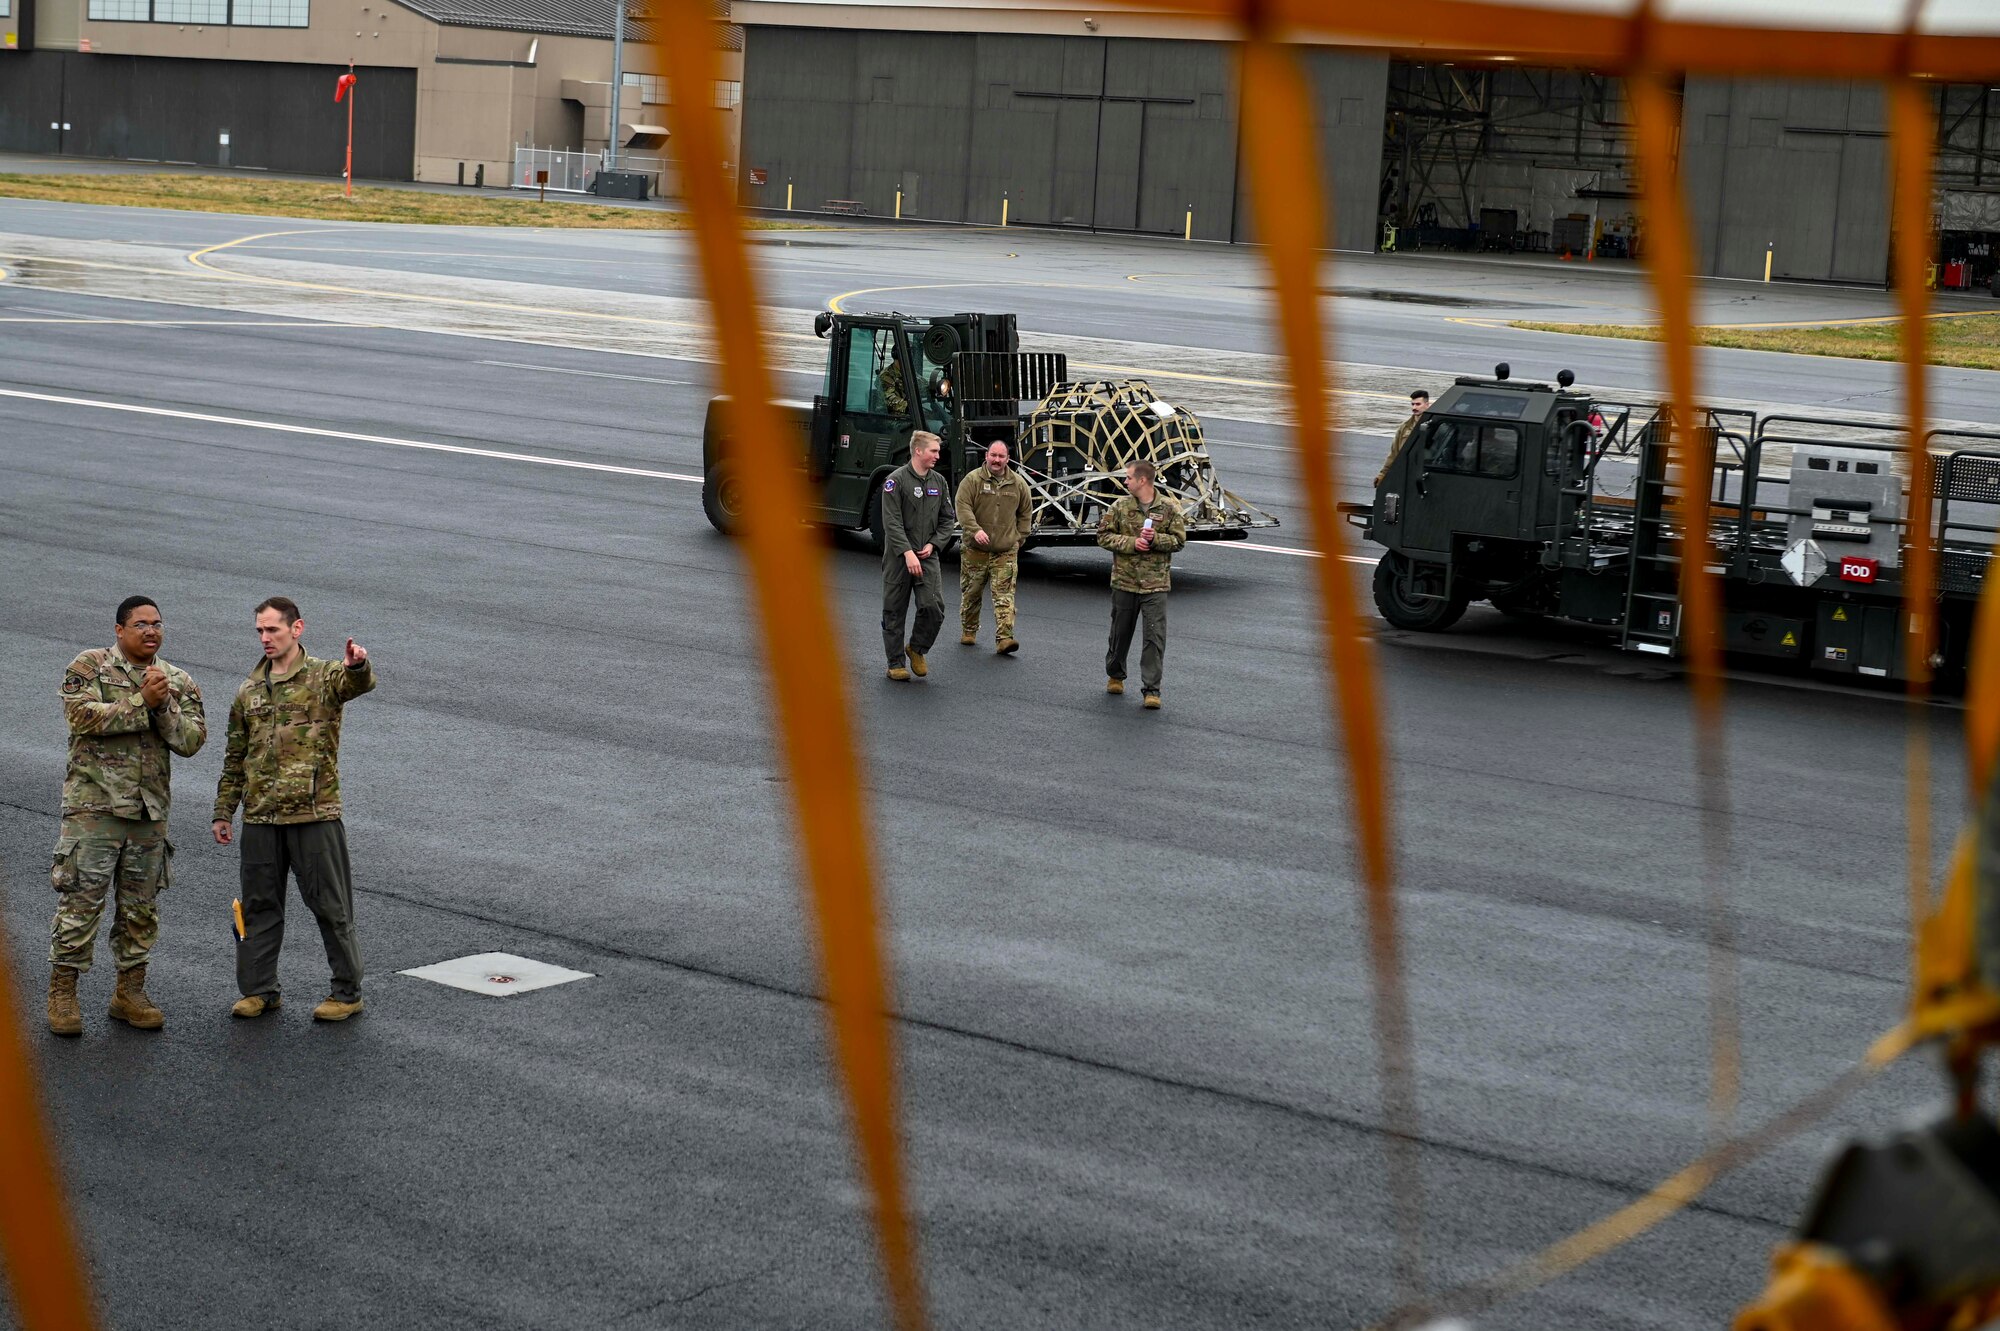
{"points": [[270, 13], [120, 11], [728, 93], [652, 88], [190, 11], [6, 9]]}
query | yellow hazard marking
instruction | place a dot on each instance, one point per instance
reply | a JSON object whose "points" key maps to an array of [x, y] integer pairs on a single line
{"points": [[1840, 613], [1789, 640]]}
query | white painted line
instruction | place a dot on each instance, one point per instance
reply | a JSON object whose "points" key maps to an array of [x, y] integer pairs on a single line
{"points": [[1285, 550], [503, 455], [497, 974], [590, 374], [348, 435]]}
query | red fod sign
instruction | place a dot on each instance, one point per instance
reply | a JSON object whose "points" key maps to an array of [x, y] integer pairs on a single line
{"points": [[1857, 570]]}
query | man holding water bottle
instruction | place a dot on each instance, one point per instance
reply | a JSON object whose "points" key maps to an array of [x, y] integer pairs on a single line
{"points": [[1142, 531]]}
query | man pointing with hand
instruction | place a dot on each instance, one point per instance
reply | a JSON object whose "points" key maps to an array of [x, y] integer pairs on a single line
{"points": [[282, 764]]}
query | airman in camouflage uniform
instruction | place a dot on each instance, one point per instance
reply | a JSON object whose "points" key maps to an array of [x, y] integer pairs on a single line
{"points": [[995, 512], [1420, 402], [282, 764], [127, 711], [1142, 530]]}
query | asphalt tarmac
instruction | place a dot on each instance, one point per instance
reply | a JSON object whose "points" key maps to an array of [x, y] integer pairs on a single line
{"points": [[1132, 1001]]}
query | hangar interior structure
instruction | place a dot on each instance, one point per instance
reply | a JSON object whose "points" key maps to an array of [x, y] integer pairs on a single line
{"points": [[1062, 114]]}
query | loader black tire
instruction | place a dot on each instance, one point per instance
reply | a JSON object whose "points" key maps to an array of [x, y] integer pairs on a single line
{"points": [[1394, 577], [722, 498]]}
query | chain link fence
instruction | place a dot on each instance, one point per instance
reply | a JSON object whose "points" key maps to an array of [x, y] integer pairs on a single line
{"points": [[571, 171]]}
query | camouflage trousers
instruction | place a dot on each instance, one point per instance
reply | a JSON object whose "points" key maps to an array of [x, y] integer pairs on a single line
{"points": [[98, 859], [976, 572]]}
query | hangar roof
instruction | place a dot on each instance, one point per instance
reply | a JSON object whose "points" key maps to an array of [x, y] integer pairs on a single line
{"points": [[569, 18]]}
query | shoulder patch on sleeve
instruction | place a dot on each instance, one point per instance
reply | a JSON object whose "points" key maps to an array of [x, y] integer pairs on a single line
{"points": [[888, 485], [74, 683]]}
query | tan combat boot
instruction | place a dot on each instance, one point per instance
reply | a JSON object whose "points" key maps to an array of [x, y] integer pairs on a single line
{"points": [[130, 1004], [1008, 646], [1114, 686], [335, 1009], [967, 637], [919, 666], [899, 673], [65, 1017]]}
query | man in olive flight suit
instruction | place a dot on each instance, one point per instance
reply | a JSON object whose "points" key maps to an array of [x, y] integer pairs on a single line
{"points": [[282, 764], [1142, 531], [916, 517], [994, 508], [127, 711]]}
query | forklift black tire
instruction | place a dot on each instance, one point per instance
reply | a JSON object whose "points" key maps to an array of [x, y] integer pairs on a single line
{"points": [[1392, 596], [722, 498], [876, 535]]}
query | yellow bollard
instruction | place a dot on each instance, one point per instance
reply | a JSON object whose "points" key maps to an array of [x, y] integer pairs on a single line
{"points": [[1003, 210], [788, 196], [1767, 263], [1188, 234], [899, 205]]}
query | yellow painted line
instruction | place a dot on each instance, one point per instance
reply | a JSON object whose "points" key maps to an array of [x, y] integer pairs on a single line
{"points": [[1861, 321]]}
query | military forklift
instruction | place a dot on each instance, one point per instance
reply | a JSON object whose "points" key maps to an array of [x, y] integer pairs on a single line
{"points": [[1545, 501], [964, 378]]}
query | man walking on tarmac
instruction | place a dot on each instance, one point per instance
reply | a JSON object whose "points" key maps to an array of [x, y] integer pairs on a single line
{"points": [[994, 509], [127, 710], [1142, 531], [916, 516], [282, 764]]}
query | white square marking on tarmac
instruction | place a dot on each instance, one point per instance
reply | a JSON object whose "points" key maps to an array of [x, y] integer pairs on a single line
{"points": [[497, 973]]}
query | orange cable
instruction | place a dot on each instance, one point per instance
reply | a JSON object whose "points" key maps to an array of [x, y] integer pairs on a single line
{"points": [[1284, 176], [1912, 138], [1670, 263], [788, 572], [51, 1292]]}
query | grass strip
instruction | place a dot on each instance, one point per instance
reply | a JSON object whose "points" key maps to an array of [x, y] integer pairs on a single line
{"points": [[324, 201], [1966, 341]]}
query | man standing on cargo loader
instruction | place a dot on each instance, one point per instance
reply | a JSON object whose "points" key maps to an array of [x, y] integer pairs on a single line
{"points": [[916, 517], [127, 710], [995, 511], [1142, 531], [282, 765], [1420, 402]]}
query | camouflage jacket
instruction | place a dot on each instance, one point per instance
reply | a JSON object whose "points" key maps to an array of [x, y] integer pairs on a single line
{"points": [[1118, 532], [282, 762], [1002, 508], [118, 746]]}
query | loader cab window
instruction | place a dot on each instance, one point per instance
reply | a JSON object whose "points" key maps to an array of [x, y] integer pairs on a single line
{"points": [[1469, 448], [875, 385]]}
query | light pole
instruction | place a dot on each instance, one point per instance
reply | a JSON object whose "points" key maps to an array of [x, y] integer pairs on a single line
{"points": [[617, 79]]}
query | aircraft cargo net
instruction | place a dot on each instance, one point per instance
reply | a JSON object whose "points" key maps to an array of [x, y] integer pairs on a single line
{"points": [[1079, 441]]}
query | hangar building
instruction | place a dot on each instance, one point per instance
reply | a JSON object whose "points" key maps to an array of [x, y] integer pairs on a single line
{"points": [[444, 84], [1111, 119]]}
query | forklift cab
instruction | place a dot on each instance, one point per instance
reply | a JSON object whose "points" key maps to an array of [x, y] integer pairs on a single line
{"points": [[887, 376], [1483, 463]]}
